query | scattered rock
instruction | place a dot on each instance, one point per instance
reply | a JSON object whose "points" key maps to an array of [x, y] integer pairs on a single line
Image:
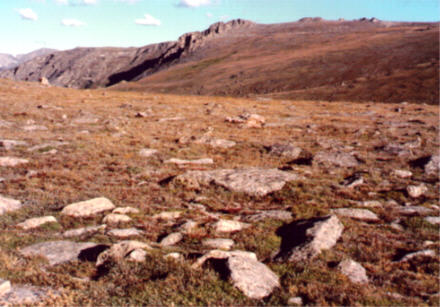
{"points": [[353, 270], [296, 301], [171, 239], [224, 244], [171, 119], [57, 252], [125, 233], [126, 210], [402, 173], [138, 255], [36, 222], [281, 215], [229, 226], [11, 161], [188, 226], [10, 144], [414, 210], [216, 143], [115, 219], [9, 204], [255, 121], [416, 190], [148, 152], [423, 253], [47, 146], [433, 166], [166, 216], [86, 231], [252, 181], [203, 161], [88, 208], [35, 128], [435, 220], [285, 150], [357, 214], [88, 119], [25, 295], [5, 287], [371, 204], [305, 239], [117, 252], [44, 81], [353, 180], [175, 256], [246, 273], [335, 158]]}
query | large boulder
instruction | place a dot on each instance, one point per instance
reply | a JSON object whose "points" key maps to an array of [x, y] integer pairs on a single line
{"points": [[252, 181]]}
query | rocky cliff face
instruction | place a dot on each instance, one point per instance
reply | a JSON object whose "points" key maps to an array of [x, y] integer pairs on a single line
{"points": [[97, 67]]}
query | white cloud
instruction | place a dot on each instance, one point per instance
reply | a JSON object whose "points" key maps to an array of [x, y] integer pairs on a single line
{"points": [[193, 3], [148, 20], [28, 14], [209, 15], [72, 23], [127, 1], [77, 2], [62, 1]]}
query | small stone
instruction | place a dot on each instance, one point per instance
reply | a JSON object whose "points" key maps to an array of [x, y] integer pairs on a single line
{"points": [[435, 220], [11, 161], [125, 233], [117, 252], [114, 219], [433, 166], [371, 204], [57, 252], [335, 158], [86, 231], [188, 226], [270, 214], [148, 152], [125, 210], [26, 295], [10, 144], [396, 225], [5, 287], [224, 244], [402, 173], [205, 161], [175, 256], [286, 150], [414, 210], [138, 255], [416, 190], [141, 114], [353, 270], [423, 253], [166, 216], [171, 239], [35, 128], [255, 121], [296, 301], [353, 181], [44, 81], [358, 214], [88, 208], [36, 222], [9, 204], [216, 143], [229, 226]]}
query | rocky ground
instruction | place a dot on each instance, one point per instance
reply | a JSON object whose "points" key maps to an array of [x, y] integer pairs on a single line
{"points": [[132, 198]]}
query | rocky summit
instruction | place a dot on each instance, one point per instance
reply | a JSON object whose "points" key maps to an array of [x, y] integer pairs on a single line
{"points": [[142, 198]]}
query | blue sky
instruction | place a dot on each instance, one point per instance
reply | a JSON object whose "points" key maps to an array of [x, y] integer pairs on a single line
{"points": [[26, 25]]}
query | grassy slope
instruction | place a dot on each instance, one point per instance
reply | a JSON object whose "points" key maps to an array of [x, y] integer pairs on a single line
{"points": [[105, 162]]}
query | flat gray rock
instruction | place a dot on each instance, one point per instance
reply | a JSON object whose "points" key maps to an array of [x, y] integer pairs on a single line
{"points": [[25, 295], [305, 239], [85, 231], [171, 239], [433, 166], [5, 287], [57, 252], [335, 158], [148, 152], [229, 226], [285, 150], [357, 214], [414, 210], [281, 215], [36, 222], [119, 251], [9, 205], [10, 144], [224, 244], [416, 190], [216, 143], [12, 161], [353, 270], [204, 161], [88, 208], [125, 233], [252, 181], [435, 220], [423, 253]]}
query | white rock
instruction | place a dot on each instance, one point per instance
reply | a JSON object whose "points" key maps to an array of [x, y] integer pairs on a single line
{"points": [[175, 256], [224, 244], [416, 190], [353, 270], [138, 255], [188, 227], [255, 121], [35, 128], [171, 239], [414, 210], [229, 226], [166, 216], [86, 231], [9, 144], [36, 222], [435, 220], [114, 219], [216, 143], [9, 204], [125, 233], [11, 161], [402, 173], [358, 214], [148, 152], [424, 253], [296, 301], [88, 208], [5, 287], [125, 210], [433, 166], [372, 204]]}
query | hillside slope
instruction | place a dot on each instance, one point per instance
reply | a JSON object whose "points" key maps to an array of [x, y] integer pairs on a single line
{"points": [[312, 59]]}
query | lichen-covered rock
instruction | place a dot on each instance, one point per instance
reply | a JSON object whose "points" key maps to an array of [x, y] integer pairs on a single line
{"points": [[9, 204], [335, 158], [84, 231], [252, 181], [433, 166], [57, 252], [305, 239], [88, 208], [358, 214], [353, 270], [36, 222]]}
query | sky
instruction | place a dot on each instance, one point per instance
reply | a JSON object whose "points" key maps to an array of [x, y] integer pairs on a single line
{"points": [[27, 25]]}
